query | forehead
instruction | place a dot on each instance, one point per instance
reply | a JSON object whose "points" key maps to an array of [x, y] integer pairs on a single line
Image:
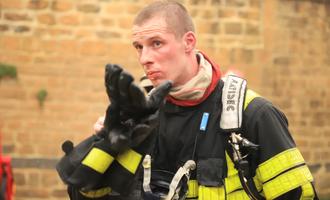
{"points": [[151, 28]]}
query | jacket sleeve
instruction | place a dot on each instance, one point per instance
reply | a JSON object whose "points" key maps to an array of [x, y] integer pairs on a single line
{"points": [[279, 165], [119, 177]]}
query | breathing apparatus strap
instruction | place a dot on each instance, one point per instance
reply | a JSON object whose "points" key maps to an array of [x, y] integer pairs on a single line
{"points": [[146, 173], [174, 188], [233, 97], [182, 171]]}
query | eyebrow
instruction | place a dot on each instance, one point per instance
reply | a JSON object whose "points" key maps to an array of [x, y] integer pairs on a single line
{"points": [[134, 43]]}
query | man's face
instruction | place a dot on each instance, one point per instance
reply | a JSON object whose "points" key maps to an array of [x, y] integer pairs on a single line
{"points": [[161, 54]]}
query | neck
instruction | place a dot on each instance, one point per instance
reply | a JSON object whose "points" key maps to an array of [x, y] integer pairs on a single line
{"points": [[192, 69]]}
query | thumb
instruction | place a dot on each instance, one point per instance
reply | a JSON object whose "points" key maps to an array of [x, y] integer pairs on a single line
{"points": [[158, 94]]}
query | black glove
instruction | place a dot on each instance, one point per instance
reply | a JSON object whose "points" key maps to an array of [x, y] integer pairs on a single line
{"points": [[131, 116]]}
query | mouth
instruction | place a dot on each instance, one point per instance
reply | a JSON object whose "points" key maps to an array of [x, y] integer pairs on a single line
{"points": [[153, 75]]}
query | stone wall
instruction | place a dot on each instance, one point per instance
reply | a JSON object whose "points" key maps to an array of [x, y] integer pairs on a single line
{"points": [[61, 46]]}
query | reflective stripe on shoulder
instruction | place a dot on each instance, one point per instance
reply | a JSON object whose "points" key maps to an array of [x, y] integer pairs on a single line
{"points": [[279, 163], [130, 160], [98, 160], [249, 96], [96, 193], [287, 181]]}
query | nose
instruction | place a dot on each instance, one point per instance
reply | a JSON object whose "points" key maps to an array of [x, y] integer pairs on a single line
{"points": [[145, 57]]}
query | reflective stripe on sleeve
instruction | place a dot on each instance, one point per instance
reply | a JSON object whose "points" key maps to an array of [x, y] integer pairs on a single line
{"points": [[249, 96], [96, 193], [287, 181], [307, 192], [98, 160], [130, 160], [279, 163]]}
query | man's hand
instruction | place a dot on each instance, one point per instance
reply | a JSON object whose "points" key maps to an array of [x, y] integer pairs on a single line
{"points": [[99, 124], [131, 116], [130, 99]]}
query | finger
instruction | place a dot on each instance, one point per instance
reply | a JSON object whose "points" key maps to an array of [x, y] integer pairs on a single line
{"points": [[140, 133], [112, 73], [125, 80], [158, 95], [112, 116], [137, 95]]}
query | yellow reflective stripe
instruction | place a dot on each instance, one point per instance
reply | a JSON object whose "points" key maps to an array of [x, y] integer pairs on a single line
{"points": [[192, 189], [96, 193], [287, 181], [257, 183], [307, 192], [232, 183], [238, 195], [279, 163], [98, 160], [249, 96], [230, 166], [130, 160], [211, 193]]}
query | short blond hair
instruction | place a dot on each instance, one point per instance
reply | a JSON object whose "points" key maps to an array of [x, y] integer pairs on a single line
{"points": [[175, 14]]}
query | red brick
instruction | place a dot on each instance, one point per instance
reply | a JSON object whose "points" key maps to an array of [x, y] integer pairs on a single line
{"points": [[125, 23], [26, 149], [84, 34], [17, 17], [107, 21], [71, 20], [22, 29], [50, 46], [114, 9], [250, 15], [227, 13], [30, 44], [32, 192], [62, 5], [47, 19], [253, 30], [20, 178], [94, 48], [4, 27], [10, 42], [38, 4], [89, 8], [12, 4], [68, 46], [133, 9], [233, 28]]}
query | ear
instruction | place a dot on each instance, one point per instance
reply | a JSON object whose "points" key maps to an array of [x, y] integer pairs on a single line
{"points": [[189, 41]]}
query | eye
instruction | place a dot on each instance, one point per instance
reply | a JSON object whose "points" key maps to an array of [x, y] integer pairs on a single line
{"points": [[156, 43], [138, 47]]}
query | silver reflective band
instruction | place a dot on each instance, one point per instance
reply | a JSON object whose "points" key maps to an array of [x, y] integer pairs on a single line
{"points": [[233, 94]]}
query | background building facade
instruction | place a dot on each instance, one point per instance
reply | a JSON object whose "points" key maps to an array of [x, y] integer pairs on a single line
{"points": [[60, 48]]}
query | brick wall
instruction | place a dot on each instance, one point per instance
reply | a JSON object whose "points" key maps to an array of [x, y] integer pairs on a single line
{"points": [[281, 47]]}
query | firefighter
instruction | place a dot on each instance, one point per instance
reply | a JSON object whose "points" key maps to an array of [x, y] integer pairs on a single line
{"points": [[194, 137]]}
